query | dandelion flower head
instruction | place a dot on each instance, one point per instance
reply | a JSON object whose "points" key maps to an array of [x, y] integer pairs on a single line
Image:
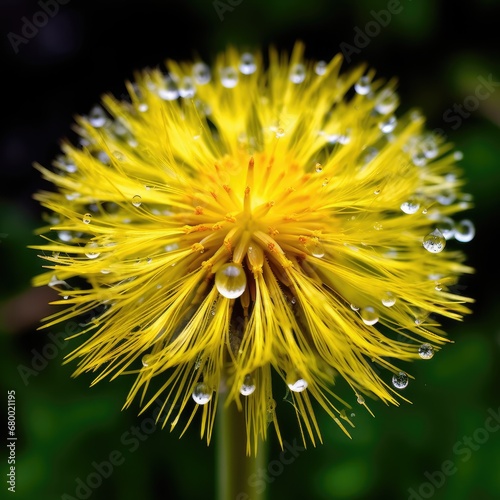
{"points": [[264, 227]]}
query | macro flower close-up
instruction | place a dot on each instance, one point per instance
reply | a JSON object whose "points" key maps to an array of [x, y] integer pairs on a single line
{"points": [[264, 226]]}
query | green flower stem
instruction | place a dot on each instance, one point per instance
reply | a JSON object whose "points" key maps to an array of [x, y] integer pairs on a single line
{"points": [[234, 466]]}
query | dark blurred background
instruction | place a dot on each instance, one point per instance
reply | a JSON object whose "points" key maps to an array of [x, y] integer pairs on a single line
{"points": [[445, 445]]}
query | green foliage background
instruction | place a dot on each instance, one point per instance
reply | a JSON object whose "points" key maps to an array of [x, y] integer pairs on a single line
{"points": [[438, 49]]}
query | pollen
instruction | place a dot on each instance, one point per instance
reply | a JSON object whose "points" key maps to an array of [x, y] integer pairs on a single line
{"points": [[268, 229]]}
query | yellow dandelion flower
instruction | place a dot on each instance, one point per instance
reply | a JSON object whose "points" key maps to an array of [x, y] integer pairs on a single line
{"points": [[268, 218]]}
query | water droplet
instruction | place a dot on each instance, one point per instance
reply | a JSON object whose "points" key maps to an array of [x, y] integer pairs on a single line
{"points": [[389, 299], [202, 393], [387, 126], [142, 107], [231, 280], [169, 92], [65, 236], [87, 218], [296, 384], [426, 351], [186, 88], [378, 226], [97, 117], [447, 227], [136, 201], [434, 242], [360, 399], [429, 147], [320, 68], [201, 73], [280, 133], [386, 101], [248, 386], [318, 250], [325, 182], [419, 159], [400, 380], [228, 77], [377, 191], [119, 155], [354, 307], [438, 287], [319, 168], [297, 73], [458, 155], [146, 359], [420, 315], [446, 197], [353, 415], [90, 250], [247, 64], [411, 206], [363, 85], [464, 231], [369, 315]]}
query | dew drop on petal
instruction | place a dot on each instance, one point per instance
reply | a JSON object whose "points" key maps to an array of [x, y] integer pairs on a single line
{"points": [[464, 231], [388, 125], [201, 73], [231, 280], [386, 101], [280, 133], [296, 384], [187, 89], [146, 360], [458, 155], [319, 168], [136, 201], [320, 68], [410, 207], [434, 242], [202, 393], [228, 77], [400, 380], [247, 64], [360, 399], [363, 85], [97, 117], [354, 307], [90, 250], [248, 386], [426, 351], [65, 236], [388, 299], [318, 250], [169, 92], [447, 227], [369, 315], [297, 73], [87, 218]]}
